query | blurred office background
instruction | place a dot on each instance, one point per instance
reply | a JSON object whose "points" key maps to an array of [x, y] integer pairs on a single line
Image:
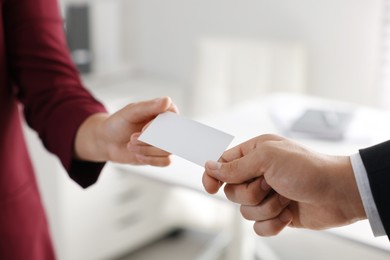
{"points": [[208, 56]]}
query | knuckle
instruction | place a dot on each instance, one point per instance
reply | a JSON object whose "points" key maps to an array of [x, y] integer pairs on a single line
{"points": [[229, 173], [229, 192], [245, 213], [252, 198], [269, 209]]}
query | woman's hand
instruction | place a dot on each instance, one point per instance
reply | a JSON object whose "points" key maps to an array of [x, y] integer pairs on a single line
{"points": [[114, 137]]}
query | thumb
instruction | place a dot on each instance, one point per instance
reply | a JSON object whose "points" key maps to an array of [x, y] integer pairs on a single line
{"points": [[147, 110], [237, 171]]}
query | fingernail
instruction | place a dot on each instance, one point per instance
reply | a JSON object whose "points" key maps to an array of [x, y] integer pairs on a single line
{"points": [[264, 185], [212, 165], [156, 100], [134, 137], [285, 216]]}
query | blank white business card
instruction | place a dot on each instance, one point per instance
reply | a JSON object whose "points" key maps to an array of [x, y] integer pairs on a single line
{"points": [[186, 138]]}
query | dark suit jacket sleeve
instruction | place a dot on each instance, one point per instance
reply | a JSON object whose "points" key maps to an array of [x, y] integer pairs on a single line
{"points": [[376, 160], [47, 82]]}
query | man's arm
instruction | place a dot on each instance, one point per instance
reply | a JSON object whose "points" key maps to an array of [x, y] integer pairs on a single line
{"points": [[377, 164], [366, 195]]}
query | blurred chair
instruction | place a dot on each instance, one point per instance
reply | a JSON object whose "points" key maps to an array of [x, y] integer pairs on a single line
{"points": [[229, 71]]}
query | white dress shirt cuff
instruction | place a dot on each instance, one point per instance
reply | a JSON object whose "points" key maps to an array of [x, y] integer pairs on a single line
{"points": [[366, 195]]}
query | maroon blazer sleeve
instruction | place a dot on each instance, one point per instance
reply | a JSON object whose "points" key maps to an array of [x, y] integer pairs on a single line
{"points": [[47, 82]]}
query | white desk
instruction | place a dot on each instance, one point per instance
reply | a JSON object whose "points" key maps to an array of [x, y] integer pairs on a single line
{"points": [[248, 120]]}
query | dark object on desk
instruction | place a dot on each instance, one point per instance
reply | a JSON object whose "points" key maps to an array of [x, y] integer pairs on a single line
{"points": [[78, 36], [321, 124]]}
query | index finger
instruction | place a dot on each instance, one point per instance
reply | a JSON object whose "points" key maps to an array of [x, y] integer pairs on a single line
{"points": [[246, 147], [145, 111], [237, 151]]}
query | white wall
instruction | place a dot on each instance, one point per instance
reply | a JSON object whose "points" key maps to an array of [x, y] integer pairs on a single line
{"points": [[342, 37]]}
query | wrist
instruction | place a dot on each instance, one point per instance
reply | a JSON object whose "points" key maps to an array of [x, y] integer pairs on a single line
{"points": [[90, 144], [352, 205]]}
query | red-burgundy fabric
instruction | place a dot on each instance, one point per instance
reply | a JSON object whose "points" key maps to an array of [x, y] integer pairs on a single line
{"points": [[38, 78]]}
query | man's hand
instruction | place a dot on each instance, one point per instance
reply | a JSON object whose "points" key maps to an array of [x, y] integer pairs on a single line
{"points": [[280, 183]]}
